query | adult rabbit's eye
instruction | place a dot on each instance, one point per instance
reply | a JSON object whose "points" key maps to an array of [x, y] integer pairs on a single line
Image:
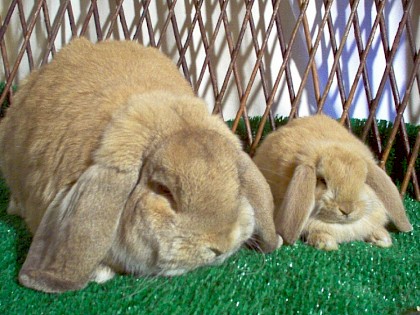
{"points": [[164, 191]]}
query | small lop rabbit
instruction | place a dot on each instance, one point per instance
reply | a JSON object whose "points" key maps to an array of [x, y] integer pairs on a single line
{"points": [[116, 166], [327, 186]]}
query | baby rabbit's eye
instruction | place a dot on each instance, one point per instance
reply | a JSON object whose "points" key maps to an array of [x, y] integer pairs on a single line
{"points": [[321, 181]]}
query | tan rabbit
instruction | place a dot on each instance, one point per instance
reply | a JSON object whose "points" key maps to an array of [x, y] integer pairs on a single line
{"points": [[117, 167], [327, 186]]}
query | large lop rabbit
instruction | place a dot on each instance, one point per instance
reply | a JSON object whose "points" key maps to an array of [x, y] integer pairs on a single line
{"points": [[117, 167], [327, 186]]}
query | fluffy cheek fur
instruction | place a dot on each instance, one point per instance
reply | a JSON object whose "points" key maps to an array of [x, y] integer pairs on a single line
{"points": [[366, 223], [155, 240]]}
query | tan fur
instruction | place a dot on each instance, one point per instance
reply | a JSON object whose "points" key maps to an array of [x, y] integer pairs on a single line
{"points": [[326, 185], [116, 166]]}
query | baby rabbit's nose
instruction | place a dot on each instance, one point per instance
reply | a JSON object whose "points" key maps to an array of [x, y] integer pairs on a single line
{"points": [[345, 210]]}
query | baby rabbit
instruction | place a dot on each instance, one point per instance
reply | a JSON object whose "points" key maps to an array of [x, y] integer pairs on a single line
{"points": [[117, 167], [327, 187]]}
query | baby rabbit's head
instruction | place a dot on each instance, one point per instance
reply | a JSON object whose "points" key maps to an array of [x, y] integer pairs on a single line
{"points": [[340, 195]]}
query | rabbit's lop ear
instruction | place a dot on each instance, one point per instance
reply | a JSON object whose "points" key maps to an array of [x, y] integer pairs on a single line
{"points": [[77, 231], [388, 193], [297, 205], [257, 192]]}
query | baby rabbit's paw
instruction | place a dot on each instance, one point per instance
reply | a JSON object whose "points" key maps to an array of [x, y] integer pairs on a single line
{"points": [[380, 238], [322, 241]]}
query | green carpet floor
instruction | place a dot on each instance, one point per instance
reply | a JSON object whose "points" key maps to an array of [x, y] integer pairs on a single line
{"points": [[356, 279]]}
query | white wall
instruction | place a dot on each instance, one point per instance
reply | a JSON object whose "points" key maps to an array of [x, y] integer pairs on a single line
{"points": [[261, 12]]}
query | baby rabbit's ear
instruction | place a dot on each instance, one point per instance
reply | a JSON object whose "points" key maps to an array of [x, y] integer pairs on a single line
{"points": [[257, 192], [297, 204], [77, 231], [388, 193]]}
